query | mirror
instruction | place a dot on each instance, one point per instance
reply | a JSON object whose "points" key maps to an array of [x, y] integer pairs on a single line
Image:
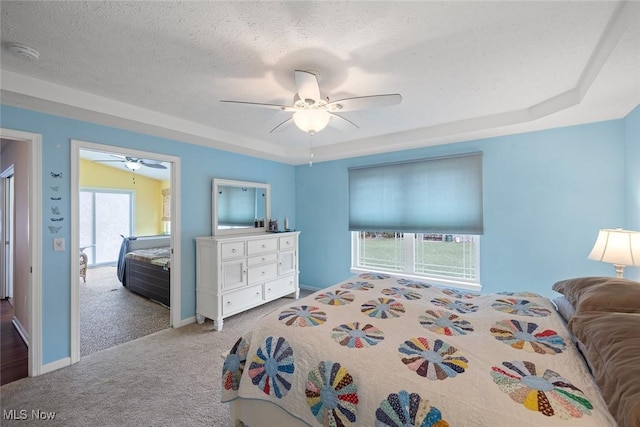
{"points": [[239, 206]]}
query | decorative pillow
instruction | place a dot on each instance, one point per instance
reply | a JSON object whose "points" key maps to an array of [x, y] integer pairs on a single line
{"points": [[564, 307], [611, 345], [601, 294]]}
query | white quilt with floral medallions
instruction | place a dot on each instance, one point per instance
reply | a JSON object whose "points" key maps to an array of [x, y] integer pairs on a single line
{"points": [[377, 350]]}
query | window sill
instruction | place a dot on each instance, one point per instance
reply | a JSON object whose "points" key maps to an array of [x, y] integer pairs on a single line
{"points": [[441, 282]]}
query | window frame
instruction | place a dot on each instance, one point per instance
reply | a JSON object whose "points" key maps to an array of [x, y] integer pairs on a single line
{"points": [[409, 264]]}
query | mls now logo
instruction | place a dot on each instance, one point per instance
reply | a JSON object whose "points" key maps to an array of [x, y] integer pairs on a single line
{"points": [[23, 414]]}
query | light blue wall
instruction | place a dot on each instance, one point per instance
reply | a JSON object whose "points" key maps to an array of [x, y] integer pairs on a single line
{"points": [[199, 165], [546, 195], [632, 179]]}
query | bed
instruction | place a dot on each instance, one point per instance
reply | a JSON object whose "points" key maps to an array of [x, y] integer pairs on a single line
{"points": [[377, 350], [144, 267]]}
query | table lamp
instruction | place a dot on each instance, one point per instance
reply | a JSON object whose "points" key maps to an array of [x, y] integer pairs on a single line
{"points": [[618, 247]]}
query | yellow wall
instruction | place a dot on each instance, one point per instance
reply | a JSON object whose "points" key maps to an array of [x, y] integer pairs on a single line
{"points": [[148, 193]]}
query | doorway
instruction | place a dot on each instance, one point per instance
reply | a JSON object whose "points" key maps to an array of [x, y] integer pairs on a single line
{"points": [[94, 245], [23, 150]]}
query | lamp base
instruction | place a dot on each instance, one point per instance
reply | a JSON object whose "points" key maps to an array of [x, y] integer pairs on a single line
{"points": [[619, 270]]}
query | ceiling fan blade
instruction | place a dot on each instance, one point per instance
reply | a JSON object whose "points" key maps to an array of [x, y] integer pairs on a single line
{"points": [[307, 84], [153, 165], [364, 102], [341, 123], [282, 126], [262, 105]]}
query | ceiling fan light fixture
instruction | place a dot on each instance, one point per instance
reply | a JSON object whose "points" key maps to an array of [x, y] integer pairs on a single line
{"points": [[131, 165], [311, 120]]}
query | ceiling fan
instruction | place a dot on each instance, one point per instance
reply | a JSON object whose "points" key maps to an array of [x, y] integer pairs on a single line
{"points": [[134, 163], [312, 111]]}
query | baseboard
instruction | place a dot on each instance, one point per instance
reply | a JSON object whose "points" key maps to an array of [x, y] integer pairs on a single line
{"points": [[309, 288], [58, 364], [21, 330], [185, 322]]}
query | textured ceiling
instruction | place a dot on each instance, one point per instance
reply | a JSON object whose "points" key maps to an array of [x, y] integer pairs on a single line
{"points": [[465, 69]]}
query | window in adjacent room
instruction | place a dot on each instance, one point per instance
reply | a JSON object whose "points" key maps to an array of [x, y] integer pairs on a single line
{"points": [[166, 210], [420, 218], [105, 216]]}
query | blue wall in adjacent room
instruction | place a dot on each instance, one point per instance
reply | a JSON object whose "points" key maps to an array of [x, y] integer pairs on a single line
{"points": [[199, 165], [546, 195]]}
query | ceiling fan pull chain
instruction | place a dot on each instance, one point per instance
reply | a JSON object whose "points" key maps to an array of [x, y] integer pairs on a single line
{"points": [[311, 148]]}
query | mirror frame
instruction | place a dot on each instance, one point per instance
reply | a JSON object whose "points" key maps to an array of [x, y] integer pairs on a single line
{"points": [[218, 182]]}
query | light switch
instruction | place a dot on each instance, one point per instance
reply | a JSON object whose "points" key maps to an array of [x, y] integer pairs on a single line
{"points": [[58, 244]]}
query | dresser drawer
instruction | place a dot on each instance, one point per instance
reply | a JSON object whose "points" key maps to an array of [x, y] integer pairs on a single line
{"points": [[262, 245], [230, 250], [263, 259], [278, 287], [234, 302], [287, 242], [262, 273]]}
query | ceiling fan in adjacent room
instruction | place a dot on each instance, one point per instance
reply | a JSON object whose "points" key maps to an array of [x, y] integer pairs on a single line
{"points": [[312, 111], [134, 163]]}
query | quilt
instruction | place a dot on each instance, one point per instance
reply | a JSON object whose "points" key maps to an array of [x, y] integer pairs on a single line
{"points": [[156, 256], [378, 350]]}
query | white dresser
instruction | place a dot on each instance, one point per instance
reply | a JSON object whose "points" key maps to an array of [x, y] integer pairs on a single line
{"points": [[239, 272]]}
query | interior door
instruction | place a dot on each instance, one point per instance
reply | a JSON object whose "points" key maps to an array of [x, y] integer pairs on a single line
{"points": [[6, 222]]}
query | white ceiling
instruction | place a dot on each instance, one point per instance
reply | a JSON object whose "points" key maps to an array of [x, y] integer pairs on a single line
{"points": [[466, 70]]}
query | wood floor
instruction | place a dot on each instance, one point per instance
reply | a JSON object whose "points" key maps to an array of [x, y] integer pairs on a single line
{"points": [[13, 351]]}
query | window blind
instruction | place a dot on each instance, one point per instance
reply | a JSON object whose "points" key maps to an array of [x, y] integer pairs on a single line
{"points": [[166, 204], [439, 195]]}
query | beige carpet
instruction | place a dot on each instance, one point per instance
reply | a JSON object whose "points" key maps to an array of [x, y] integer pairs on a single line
{"points": [[170, 378], [110, 314]]}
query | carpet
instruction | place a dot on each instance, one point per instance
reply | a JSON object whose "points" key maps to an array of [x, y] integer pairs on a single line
{"points": [[110, 314], [169, 378]]}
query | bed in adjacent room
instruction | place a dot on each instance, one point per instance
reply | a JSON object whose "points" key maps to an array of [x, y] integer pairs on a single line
{"points": [[144, 267], [377, 350]]}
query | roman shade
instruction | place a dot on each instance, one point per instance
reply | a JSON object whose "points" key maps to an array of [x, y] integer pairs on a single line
{"points": [[436, 195]]}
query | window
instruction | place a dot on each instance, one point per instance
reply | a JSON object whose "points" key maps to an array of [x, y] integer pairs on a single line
{"points": [[448, 258], [166, 210], [105, 216], [419, 218]]}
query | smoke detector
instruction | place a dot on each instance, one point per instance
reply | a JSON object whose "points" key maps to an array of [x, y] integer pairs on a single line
{"points": [[23, 51]]}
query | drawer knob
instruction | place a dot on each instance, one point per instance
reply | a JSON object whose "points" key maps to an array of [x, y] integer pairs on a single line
{"points": [[234, 250], [263, 258], [257, 293], [264, 246], [228, 302]]}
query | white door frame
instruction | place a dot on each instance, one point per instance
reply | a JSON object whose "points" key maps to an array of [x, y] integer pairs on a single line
{"points": [[6, 234], [175, 292], [34, 292]]}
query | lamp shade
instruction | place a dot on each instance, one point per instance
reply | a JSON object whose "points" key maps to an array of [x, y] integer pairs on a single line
{"points": [[311, 120], [617, 246]]}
